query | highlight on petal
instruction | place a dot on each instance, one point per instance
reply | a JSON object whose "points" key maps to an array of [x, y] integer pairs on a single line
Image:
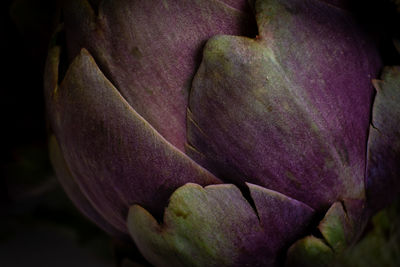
{"points": [[336, 228], [216, 226], [309, 252], [114, 155], [383, 159]]}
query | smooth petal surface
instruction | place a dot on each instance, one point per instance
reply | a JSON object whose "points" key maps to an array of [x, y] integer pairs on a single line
{"points": [[74, 192], [290, 109], [115, 156], [216, 226], [150, 49], [383, 162]]}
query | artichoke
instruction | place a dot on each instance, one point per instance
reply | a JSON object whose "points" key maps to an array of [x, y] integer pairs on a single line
{"points": [[223, 133]]}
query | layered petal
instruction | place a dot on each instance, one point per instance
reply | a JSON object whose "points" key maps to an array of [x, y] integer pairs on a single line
{"points": [[115, 156], [150, 49], [216, 226], [383, 161], [336, 228], [338, 233], [290, 109]]}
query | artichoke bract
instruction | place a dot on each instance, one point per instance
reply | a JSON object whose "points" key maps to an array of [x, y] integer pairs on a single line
{"points": [[223, 133]]}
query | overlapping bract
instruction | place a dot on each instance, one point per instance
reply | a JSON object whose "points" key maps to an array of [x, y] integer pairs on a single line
{"points": [[284, 116]]}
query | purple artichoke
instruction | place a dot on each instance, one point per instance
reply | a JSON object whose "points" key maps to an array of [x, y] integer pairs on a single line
{"points": [[209, 147]]}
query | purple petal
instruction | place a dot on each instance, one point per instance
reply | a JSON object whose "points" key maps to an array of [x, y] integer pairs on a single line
{"points": [[281, 217], [115, 156], [383, 161], [289, 110], [216, 226], [74, 192], [150, 50]]}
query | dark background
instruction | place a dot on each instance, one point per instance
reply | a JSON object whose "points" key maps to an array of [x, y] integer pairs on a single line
{"points": [[38, 224]]}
